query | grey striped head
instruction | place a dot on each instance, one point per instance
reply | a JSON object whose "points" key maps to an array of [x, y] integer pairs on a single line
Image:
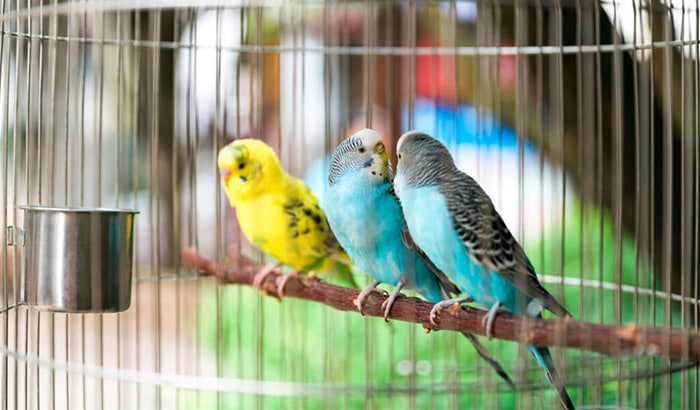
{"points": [[423, 160], [362, 150]]}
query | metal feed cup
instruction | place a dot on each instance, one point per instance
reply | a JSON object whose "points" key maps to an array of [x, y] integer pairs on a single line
{"points": [[78, 260]]}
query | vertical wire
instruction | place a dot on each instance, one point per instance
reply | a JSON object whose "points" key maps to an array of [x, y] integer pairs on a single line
{"points": [[412, 63], [13, 169], [217, 98], [81, 126], [522, 120], [561, 132], [155, 129], [485, 34], [366, 77], [136, 118], [344, 70], [283, 15], [5, 379], [696, 219], [151, 186], [521, 38], [82, 185], [260, 323], [479, 95], [9, 175], [482, 101], [119, 184], [668, 194], [66, 107], [53, 24], [369, 59], [192, 142], [4, 394], [598, 195], [185, 46], [638, 207], [520, 30], [79, 176], [456, 101], [176, 203], [17, 270], [302, 140], [411, 330], [617, 183], [39, 155], [582, 157], [412, 79], [326, 320], [52, 115], [67, 160], [100, 191], [496, 38], [539, 107], [652, 187], [685, 201]]}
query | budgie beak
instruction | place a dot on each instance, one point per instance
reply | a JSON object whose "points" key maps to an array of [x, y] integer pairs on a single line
{"points": [[225, 175], [226, 161]]}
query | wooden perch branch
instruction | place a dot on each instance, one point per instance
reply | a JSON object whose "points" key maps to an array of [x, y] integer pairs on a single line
{"points": [[569, 333]]}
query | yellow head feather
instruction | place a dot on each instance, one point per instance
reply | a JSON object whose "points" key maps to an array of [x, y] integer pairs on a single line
{"points": [[248, 166]]}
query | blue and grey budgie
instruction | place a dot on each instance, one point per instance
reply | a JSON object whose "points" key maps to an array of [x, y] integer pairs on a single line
{"points": [[452, 219], [365, 216]]}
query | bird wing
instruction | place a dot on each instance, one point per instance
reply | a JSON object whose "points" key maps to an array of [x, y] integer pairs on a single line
{"points": [[488, 241], [445, 283], [309, 227]]}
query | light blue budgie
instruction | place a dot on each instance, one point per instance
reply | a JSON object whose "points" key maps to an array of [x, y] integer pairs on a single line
{"points": [[454, 222], [366, 218]]}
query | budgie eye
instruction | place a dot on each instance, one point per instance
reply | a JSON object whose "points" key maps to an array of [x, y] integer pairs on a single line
{"points": [[362, 150], [241, 165], [399, 155]]}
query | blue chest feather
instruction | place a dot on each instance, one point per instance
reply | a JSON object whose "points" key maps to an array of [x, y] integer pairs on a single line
{"points": [[367, 221]]}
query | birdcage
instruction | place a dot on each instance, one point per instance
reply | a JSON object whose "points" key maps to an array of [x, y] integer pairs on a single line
{"points": [[580, 119]]}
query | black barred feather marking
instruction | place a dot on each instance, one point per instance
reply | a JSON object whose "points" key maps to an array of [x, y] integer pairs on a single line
{"points": [[341, 161], [489, 242], [306, 217]]}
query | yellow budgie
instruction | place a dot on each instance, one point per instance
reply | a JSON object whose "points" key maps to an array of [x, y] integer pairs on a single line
{"points": [[278, 213]]}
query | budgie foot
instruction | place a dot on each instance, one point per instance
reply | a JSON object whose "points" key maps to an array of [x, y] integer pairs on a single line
{"points": [[282, 282], [263, 273], [438, 307], [487, 320], [389, 302], [360, 301]]}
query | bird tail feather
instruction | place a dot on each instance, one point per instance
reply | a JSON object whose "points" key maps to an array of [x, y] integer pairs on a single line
{"points": [[544, 359], [486, 355]]}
